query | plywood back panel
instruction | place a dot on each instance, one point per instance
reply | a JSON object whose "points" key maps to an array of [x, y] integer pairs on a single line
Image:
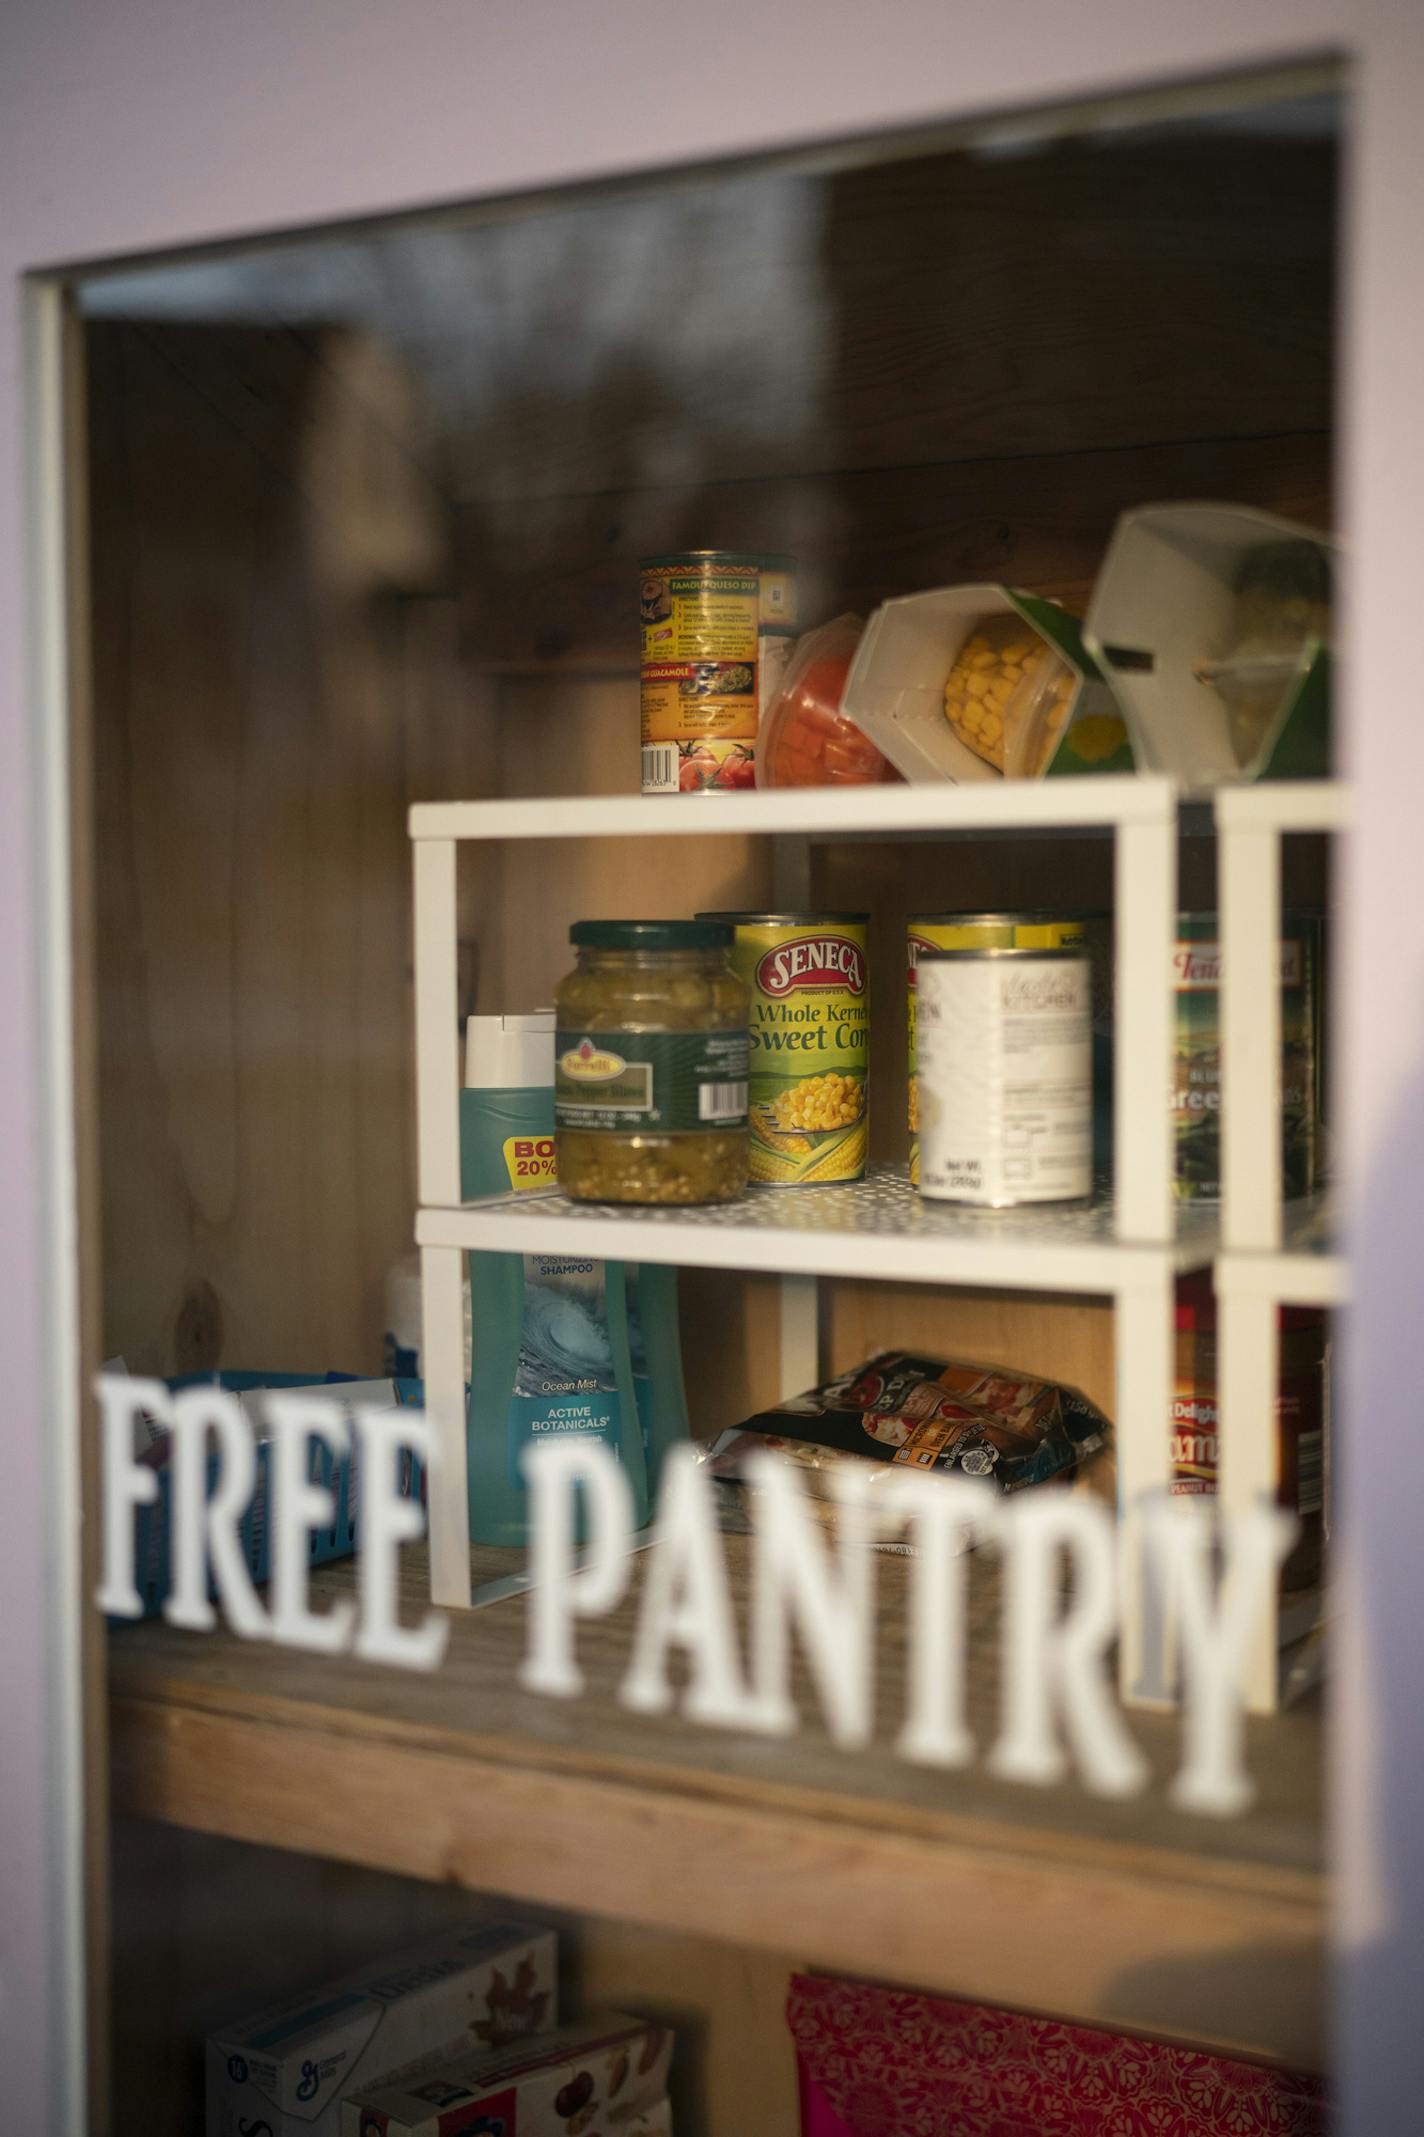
{"points": [[1064, 1338], [559, 587], [267, 699], [1088, 295], [568, 736]]}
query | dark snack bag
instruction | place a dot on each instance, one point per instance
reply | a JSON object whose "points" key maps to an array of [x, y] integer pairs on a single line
{"points": [[923, 1413]]}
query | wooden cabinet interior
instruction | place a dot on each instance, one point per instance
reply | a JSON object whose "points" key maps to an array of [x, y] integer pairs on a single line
{"points": [[244, 1926], [338, 568], [327, 584]]}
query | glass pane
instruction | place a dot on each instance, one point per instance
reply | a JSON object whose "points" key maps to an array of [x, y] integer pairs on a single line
{"points": [[372, 514]]}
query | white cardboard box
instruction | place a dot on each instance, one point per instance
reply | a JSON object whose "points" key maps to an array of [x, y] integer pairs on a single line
{"points": [[605, 2074], [285, 2070]]}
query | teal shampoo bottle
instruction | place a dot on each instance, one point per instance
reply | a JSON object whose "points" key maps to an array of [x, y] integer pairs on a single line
{"points": [[562, 1345]]}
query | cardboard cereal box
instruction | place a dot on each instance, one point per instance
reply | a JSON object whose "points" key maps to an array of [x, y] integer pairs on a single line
{"points": [[285, 2070], [605, 2076]]}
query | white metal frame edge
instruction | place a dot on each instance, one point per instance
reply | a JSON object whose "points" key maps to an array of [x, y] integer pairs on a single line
{"points": [[1251, 1290], [57, 1977], [1257, 1271], [1009, 1262], [139, 136], [815, 813], [1251, 822]]}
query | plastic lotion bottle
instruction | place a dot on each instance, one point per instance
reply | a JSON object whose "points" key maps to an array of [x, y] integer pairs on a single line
{"points": [[556, 1347]]}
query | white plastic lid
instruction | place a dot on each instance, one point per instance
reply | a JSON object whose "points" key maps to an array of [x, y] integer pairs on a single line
{"points": [[509, 1053]]}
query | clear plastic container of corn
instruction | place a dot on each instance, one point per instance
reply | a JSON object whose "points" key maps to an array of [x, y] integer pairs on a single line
{"points": [[1008, 695]]}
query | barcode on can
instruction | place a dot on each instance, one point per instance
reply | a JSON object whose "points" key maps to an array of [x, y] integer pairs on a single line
{"points": [[659, 768], [721, 1101], [1310, 1473]]}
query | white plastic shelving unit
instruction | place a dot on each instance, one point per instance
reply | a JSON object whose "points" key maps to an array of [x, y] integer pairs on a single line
{"points": [[1269, 1256], [878, 1226], [1130, 1250]]}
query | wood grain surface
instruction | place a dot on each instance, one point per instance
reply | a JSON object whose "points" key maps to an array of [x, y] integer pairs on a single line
{"points": [[903, 313], [1199, 1928], [269, 692], [553, 590]]}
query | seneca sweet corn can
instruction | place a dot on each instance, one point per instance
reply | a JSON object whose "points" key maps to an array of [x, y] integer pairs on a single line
{"points": [[808, 1099], [1196, 1079], [976, 931]]}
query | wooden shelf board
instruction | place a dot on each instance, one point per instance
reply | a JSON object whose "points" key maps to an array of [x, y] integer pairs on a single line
{"points": [[1131, 1915]]}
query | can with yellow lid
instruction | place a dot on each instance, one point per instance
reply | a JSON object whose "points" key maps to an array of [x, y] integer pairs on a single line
{"points": [[980, 931], [808, 1100]]}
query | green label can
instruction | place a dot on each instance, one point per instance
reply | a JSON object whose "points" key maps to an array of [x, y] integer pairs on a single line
{"points": [[1196, 1079], [809, 1092]]}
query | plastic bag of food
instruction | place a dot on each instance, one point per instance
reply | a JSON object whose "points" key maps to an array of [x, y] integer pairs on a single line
{"points": [[907, 1411], [805, 739]]}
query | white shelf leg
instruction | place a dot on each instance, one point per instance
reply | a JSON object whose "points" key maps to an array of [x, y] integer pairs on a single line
{"points": [[800, 1361], [791, 874], [1246, 1381], [1145, 869], [1145, 1360], [437, 1026], [800, 1364], [1250, 923], [442, 1282]]}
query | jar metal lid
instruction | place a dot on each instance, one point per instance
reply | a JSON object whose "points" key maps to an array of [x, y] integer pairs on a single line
{"points": [[1029, 916], [650, 935], [789, 920], [728, 559]]}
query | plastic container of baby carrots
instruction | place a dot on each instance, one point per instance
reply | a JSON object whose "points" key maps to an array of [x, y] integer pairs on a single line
{"points": [[805, 739]]}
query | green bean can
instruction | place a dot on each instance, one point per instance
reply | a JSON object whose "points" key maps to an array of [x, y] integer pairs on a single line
{"points": [[1196, 1080]]}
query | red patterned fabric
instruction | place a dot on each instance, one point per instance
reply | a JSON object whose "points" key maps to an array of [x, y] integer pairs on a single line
{"points": [[881, 2062], [818, 2117]]}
